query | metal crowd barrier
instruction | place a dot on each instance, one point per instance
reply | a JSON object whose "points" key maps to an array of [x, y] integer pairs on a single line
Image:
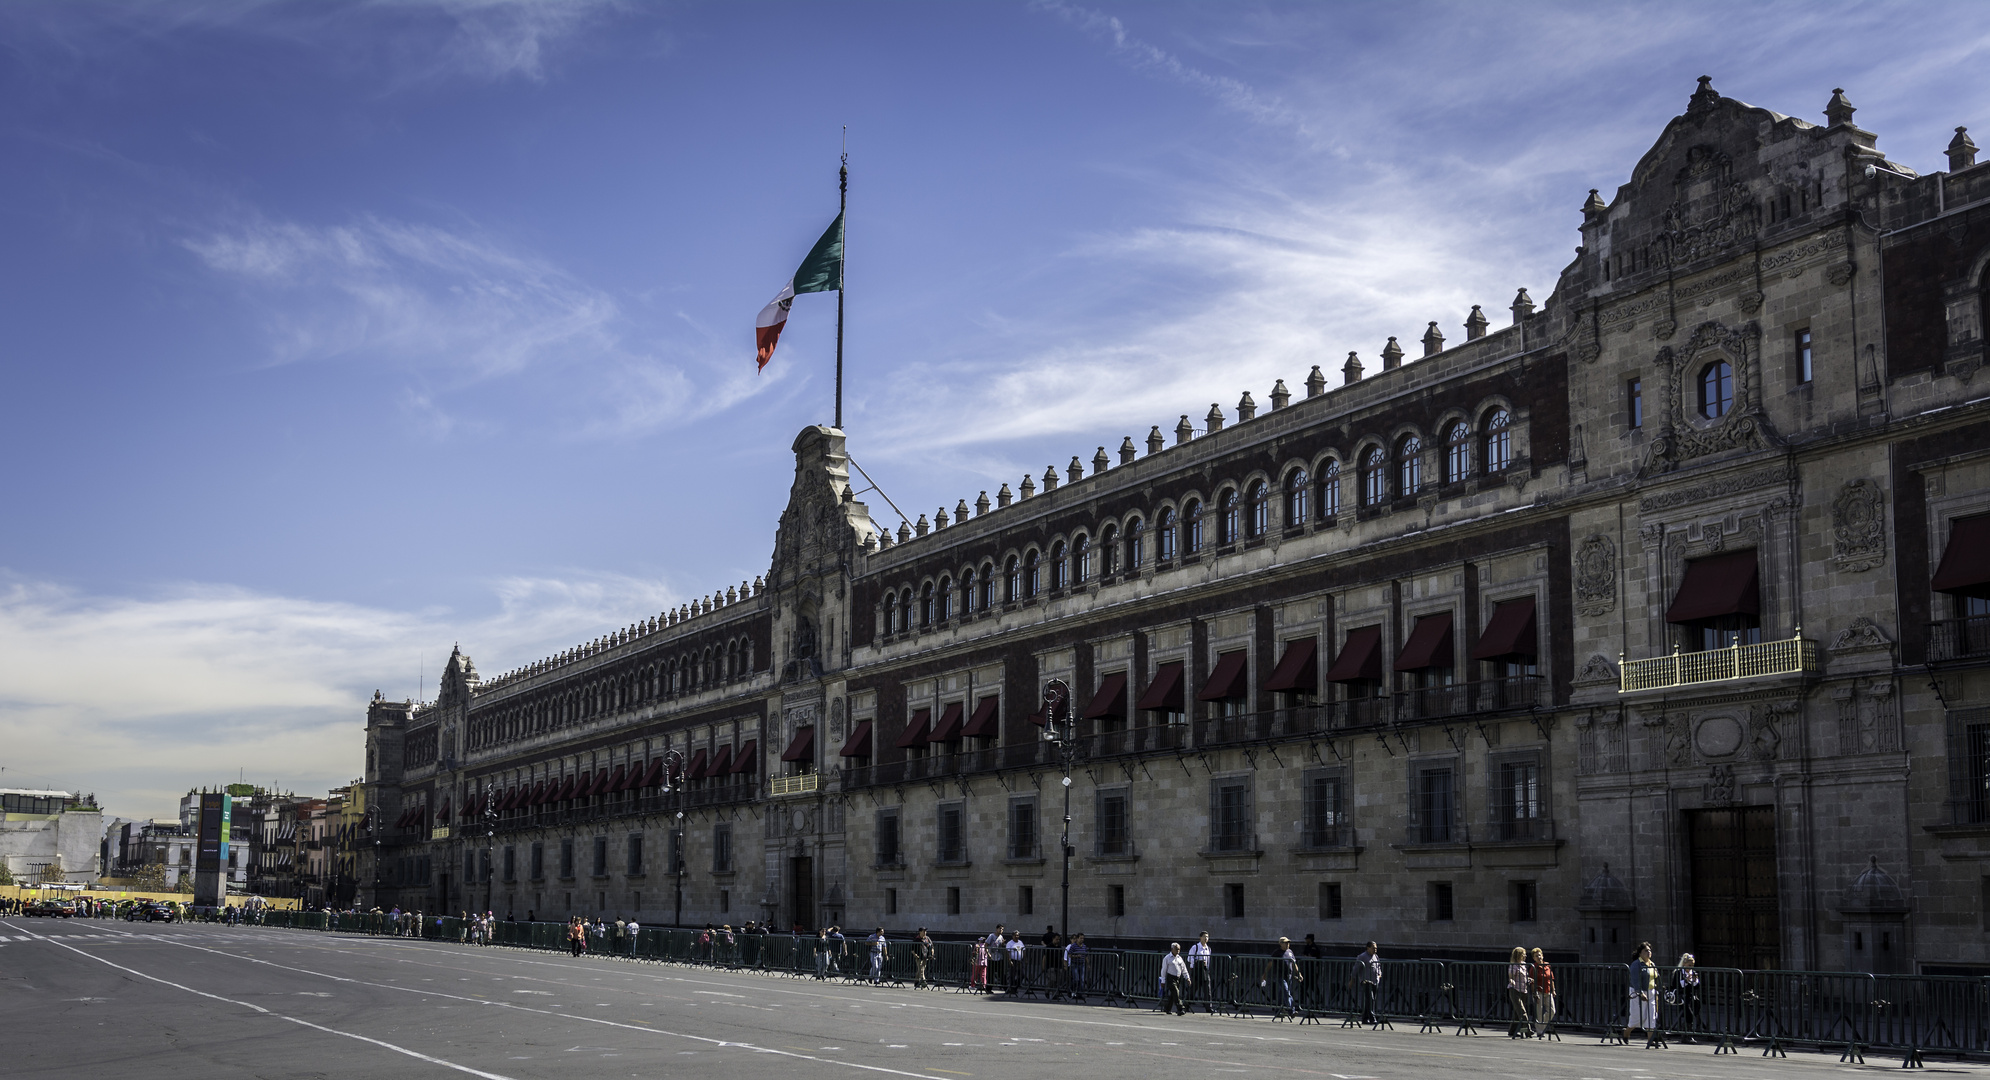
{"points": [[1826, 1010]]}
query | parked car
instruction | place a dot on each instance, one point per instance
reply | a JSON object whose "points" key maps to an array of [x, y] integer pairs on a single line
{"points": [[54, 909], [152, 911]]}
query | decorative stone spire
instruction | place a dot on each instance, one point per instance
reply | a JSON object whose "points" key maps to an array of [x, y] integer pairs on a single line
{"points": [[1280, 396], [1523, 306], [1475, 324], [1392, 356], [921, 528], [905, 531], [1704, 98], [1962, 150], [1184, 431], [1316, 382], [1050, 478], [848, 495], [1246, 408], [884, 538], [1838, 110], [1100, 462], [1433, 339], [960, 508], [1029, 486], [1127, 451], [1212, 422], [870, 543], [940, 519], [1004, 497], [759, 585], [981, 504], [1154, 440], [1350, 372], [732, 596], [1076, 470]]}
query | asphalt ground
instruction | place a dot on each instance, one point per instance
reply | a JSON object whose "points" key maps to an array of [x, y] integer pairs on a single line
{"points": [[125, 1001]]}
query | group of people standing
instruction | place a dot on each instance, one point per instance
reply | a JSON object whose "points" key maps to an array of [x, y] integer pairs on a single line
{"points": [[615, 939]]}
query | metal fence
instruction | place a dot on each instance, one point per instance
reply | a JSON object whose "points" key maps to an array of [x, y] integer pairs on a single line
{"points": [[1826, 1010]]}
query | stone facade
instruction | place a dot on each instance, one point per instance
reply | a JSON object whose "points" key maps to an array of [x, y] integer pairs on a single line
{"points": [[1616, 623]]}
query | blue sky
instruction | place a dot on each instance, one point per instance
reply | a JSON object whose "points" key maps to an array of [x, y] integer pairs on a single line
{"points": [[331, 336]]}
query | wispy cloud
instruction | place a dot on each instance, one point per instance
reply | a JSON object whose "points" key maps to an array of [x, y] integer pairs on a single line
{"points": [[136, 698]]}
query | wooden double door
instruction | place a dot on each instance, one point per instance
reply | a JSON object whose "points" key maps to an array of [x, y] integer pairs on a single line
{"points": [[1735, 903]]}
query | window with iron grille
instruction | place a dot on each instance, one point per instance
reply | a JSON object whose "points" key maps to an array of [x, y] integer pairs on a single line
{"points": [[567, 859], [1114, 834], [511, 864], [952, 833], [635, 868], [1969, 766], [537, 862], [1330, 900], [1322, 815], [722, 847], [1433, 803], [1518, 798], [600, 856], [888, 853], [1230, 815], [1022, 829]]}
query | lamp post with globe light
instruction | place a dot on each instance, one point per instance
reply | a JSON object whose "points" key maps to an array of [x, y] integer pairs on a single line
{"points": [[673, 767], [1061, 731]]}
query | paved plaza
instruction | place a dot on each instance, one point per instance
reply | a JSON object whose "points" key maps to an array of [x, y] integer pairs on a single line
{"points": [[90, 998]]}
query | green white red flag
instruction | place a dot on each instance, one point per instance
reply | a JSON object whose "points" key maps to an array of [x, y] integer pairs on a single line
{"points": [[822, 271]]}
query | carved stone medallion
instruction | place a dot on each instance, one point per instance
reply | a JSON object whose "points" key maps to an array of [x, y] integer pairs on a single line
{"points": [[1858, 526], [1596, 575]]}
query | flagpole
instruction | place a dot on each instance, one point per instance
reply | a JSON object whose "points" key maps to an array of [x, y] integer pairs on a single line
{"points": [[842, 207]]}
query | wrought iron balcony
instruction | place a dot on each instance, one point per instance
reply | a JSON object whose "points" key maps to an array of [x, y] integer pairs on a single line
{"points": [[1795, 655], [1959, 639]]}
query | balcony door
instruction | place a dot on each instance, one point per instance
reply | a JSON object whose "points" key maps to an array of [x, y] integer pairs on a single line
{"points": [[801, 892], [1733, 855]]}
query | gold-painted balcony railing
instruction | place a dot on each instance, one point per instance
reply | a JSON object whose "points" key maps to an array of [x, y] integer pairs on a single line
{"points": [[1796, 655], [794, 785]]}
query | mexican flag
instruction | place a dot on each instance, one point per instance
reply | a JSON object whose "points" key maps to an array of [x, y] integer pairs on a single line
{"points": [[822, 271]]}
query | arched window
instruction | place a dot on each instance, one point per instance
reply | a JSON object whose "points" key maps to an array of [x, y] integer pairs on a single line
{"points": [[1192, 528], [1457, 452], [926, 604], [1716, 390], [967, 595], [1083, 566], [1499, 441], [1060, 571], [987, 586], [1032, 574], [1329, 491], [905, 610], [1257, 519], [1012, 580], [1164, 536], [1296, 483], [1226, 517], [1136, 544], [1108, 551], [1374, 477], [1409, 465], [944, 601]]}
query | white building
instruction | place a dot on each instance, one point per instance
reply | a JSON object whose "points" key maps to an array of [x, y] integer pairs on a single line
{"points": [[44, 829]]}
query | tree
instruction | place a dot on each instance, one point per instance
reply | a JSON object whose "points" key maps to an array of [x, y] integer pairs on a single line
{"points": [[51, 873], [150, 878], [6, 875]]}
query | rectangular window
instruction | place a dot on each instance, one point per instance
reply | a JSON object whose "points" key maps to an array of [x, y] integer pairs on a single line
{"points": [[1330, 900], [722, 848], [1022, 829], [677, 864], [888, 853], [469, 865], [1233, 901], [635, 856], [1517, 800], [725, 900], [1115, 901], [1969, 767], [1803, 355], [511, 864], [1634, 402], [600, 856], [1523, 901], [567, 859], [1230, 815], [538, 862], [1439, 902], [1433, 805], [1321, 819], [953, 899], [1113, 832], [1026, 899], [891, 901], [953, 845]]}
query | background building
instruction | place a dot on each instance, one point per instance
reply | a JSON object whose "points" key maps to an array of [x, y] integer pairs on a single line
{"points": [[50, 835], [1658, 613]]}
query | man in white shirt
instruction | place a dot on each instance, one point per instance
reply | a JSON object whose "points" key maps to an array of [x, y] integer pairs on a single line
{"points": [[1198, 965], [878, 945], [635, 928], [1016, 948], [1174, 972], [1368, 974]]}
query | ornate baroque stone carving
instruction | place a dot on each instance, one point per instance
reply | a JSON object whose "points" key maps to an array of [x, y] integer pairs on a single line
{"points": [[1597, 671], [1596, 582], [1720, 786], [1727, 485], [1863, 635], [1858, 527], [1742, 427]]}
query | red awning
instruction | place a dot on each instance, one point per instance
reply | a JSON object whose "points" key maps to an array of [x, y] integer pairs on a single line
{"points": [[859, 742], [1111, 698], [572, 786], [948, 729], [541, 794], [1037, 718], [986, 723], [1510, 632], [802, 746], [474, 805], [1360, 657], [614, 781], [654, 778], [635, 779], [584, 785], [1164, 694], [696, 770], [1228, 680], [1298, 669], [1429, 645], [443, 814], [915, 730], [1965, 565], [721, 763], [748, 757], [1717, 585], [406, 815]]}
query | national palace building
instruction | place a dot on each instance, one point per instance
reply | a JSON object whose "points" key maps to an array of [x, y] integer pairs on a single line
{"points": [[1660, 611]]}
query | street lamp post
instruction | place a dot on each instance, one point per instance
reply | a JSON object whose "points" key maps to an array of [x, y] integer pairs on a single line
{"points": [[673, 766], [490, 843], [1061, 731]]}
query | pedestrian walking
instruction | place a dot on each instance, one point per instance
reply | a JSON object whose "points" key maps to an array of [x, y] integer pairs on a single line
{"points": [[822, 953], [1367, 979], [1284, 969], [1199, 955], [879, 944], [922, 952], [1542, 978], [1643, 993], [1519, 984], [1175, 977], [1684, 996]]}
